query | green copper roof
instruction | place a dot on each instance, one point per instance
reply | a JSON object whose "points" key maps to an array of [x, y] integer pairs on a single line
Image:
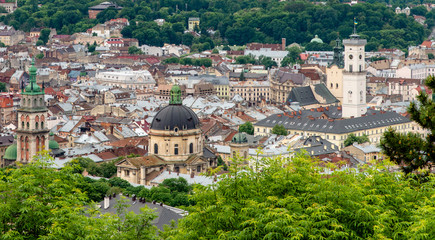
{"points": [[317, 39], [53, 144], [239, 138], [175, 95], [32, 88], [11, 152]]}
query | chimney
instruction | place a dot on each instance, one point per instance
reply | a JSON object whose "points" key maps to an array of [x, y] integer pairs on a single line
{"points": [[283, 43], [106, 202]]}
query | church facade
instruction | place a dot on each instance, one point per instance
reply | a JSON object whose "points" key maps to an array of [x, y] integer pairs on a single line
{"points": [[175, 144]]}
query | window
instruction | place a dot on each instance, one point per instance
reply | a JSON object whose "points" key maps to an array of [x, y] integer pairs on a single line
{"points": [[360, 68], [22, 124], [28, 125], [176, 149], [350, 68], [198, 168], [42, 125], [36, 125], [191, 148], [127, 173], [156, 148]]}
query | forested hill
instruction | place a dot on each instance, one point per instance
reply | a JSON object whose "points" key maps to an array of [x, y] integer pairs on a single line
{"points": [[235, 22]]}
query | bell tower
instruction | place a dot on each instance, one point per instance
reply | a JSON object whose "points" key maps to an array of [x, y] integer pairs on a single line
{"points": [[354, 77], [32, 131]]}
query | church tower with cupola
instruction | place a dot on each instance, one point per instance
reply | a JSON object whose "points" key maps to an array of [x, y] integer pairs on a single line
{"points": [[354, 77], [32, 131]]}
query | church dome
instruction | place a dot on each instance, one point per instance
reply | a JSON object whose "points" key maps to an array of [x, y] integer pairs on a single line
{"points": [[239, 138], [175, 115], [317, 39], [11, 152]]}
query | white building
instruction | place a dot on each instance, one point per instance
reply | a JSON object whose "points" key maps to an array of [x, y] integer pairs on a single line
{"points": [[275, 55], [126, 79], [354, 77]]}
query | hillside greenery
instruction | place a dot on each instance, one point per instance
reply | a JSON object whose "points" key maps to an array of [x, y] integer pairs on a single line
{"points": [[234, 22], [294, 200]]}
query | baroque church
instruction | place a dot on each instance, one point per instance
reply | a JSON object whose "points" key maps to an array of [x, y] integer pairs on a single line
{"points": [[32, 132], [175, 144]]}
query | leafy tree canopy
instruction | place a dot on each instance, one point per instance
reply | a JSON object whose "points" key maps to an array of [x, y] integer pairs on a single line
{"points": [[351, 138], [247, 127], [279, 130], [411, 151], [291, 199]]}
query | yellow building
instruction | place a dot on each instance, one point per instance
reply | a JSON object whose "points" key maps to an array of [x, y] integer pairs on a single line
{"points": [[328, 124], [193, 21]]}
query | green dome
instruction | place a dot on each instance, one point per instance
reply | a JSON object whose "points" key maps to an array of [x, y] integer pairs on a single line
{"points": [[32, 88], [11, 152], [53, 144], [239, 138], [317, 39]]}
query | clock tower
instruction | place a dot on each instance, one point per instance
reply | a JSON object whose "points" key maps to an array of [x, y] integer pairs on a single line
{"points": [[32, 131], [354, 77]]}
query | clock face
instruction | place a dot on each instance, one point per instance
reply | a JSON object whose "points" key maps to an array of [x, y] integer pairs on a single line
{"points": [[350, 56]]}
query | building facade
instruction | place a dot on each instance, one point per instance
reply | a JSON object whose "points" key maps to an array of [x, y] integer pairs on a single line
{"points": [[354, 77], [32, 131]]}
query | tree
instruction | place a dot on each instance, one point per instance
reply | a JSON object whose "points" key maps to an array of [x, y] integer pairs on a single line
{"points": [[44, 35], [177, 185], [2, 87], [292, 198], [92, 48], [134, 50], [351, 138], [39, 43], [242, 76], [279, 130], [430, 56], [40, 55], [411, 151], [247, 127]]}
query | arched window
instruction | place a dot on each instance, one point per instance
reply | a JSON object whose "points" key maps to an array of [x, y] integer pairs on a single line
{"points": [[38, 146], [176, 149], [41, 102], [191, 148], [36, 125], [156, 148], [22, 125], [34, 102], [28, 125], [42, 125], [28, 103]]}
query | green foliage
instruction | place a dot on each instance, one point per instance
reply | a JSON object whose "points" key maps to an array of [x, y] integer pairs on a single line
{"points": [[134, 50], [242, 76], [413, 152], [40, 55], [39, 43], [105, 169], [291, 199], [419, 10], [351, 138], [292, 57], [3, 87], [247, 127], [176, 185], [430, 56], [221, 162], [279, 130], [39, 202], [44, 35], [119, 182], [235, 22], [91, 48], [215, 51]]}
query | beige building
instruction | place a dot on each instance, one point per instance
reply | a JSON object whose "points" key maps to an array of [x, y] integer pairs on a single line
{"points": [[328, 124], [175, 144], [252, 91], [11, 37], [119, 96], [281, 83], [334, 81], [193, 22], [365, 152]]}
